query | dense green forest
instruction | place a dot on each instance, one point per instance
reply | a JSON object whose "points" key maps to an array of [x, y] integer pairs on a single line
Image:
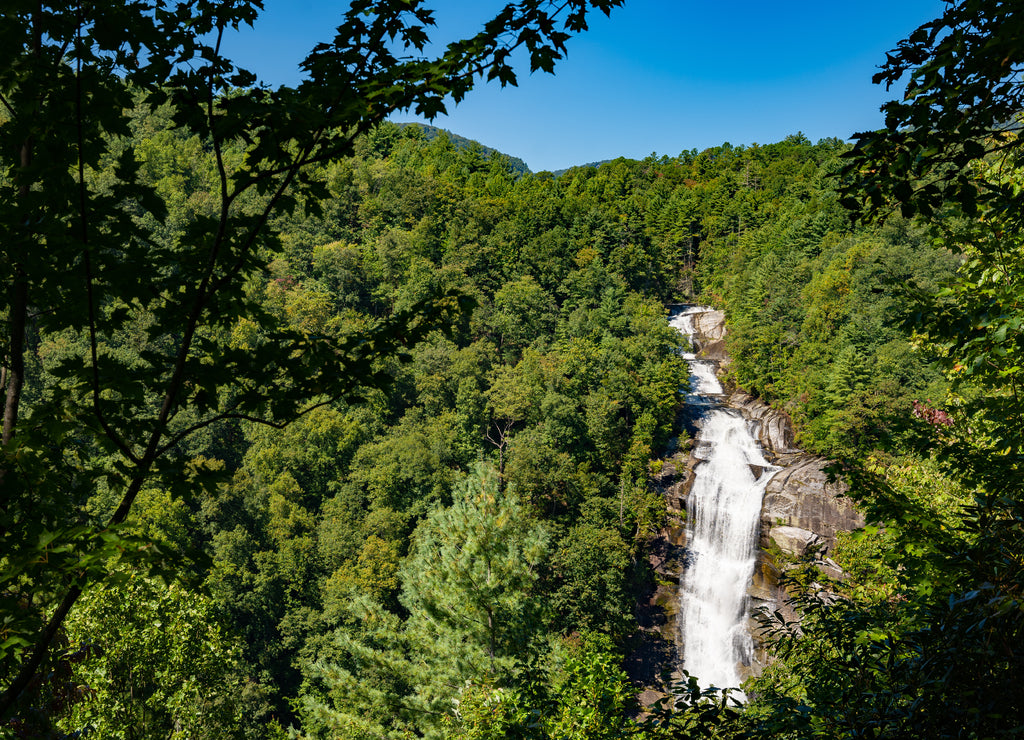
{"points": [[319, 426]]}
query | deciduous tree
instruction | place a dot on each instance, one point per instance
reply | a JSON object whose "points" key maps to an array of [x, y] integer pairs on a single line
{"points": [[88, 248]]}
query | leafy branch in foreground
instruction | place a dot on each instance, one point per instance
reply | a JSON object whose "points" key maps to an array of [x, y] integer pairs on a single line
{"points": [[940, 657], [963, 102], [99, 259]]}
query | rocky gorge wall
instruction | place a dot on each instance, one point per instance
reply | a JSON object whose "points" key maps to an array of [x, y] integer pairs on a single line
{"points": [[801, 506]]}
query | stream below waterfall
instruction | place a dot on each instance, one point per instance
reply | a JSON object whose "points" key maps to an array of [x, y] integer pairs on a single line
{"points": [[723, 510]]}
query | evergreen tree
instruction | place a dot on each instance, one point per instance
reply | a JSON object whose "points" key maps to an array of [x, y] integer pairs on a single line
{"points": [[469, 587]]}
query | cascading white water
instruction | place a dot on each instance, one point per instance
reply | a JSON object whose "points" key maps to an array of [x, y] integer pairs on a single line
{"points": [[723, 510]]}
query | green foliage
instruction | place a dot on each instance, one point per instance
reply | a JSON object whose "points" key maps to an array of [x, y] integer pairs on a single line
{"points": [[469, 582], [469, 590], [590, 570], [962, 103], [523, 312], [311, 534], [487, 713], [814, 302], [150, 661], [593, 698], [932, 649], [582, 693], [132, 146], [449, 537]]}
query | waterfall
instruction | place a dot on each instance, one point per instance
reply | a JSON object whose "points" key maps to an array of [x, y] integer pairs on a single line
{"points": [[723, 510]]}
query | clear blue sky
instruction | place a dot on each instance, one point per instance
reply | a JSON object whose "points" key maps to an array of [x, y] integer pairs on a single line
{"points": [[659, 76]]}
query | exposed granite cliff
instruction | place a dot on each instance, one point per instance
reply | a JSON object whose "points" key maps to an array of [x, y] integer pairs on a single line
{"points": [[801, 503], [802, 506], [800, 496]]}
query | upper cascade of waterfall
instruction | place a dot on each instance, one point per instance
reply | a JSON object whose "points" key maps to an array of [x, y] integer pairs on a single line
{"points": [[703, 382], [683, 323]]}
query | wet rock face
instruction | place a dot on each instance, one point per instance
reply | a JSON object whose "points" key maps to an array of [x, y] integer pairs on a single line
{"points": [[710, 325], [800, 496], [658, 649], [774, 429], [792, 539]]}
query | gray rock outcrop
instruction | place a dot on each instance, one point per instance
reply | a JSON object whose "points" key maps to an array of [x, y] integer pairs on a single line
{"points": [[801, 495], [802, 512], [710, 327], [774, 430]]}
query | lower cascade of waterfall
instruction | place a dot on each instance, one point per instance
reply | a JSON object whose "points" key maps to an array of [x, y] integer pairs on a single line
{"points": [[723, 511]]}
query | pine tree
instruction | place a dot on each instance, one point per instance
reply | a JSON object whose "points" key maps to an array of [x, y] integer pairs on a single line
{"points": [[468, 586]]}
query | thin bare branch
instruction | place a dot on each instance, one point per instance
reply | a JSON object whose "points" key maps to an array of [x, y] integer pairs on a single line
{"points": [[83, 216], [8, 106], [177, 438]]}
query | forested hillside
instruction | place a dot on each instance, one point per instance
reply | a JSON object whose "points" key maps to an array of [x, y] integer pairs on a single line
{"points": [[478, 522], [461, 142], [325, 428]]}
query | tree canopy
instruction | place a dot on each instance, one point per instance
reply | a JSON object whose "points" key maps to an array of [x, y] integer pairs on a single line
{"points": [[962, 105], [316, 425], [100, 254]]}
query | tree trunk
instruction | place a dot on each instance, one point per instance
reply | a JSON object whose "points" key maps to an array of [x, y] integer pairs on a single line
{"points": [[15, 371]]}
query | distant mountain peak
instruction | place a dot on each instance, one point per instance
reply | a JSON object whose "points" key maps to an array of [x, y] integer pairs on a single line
{"points": [[461, 142]]}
